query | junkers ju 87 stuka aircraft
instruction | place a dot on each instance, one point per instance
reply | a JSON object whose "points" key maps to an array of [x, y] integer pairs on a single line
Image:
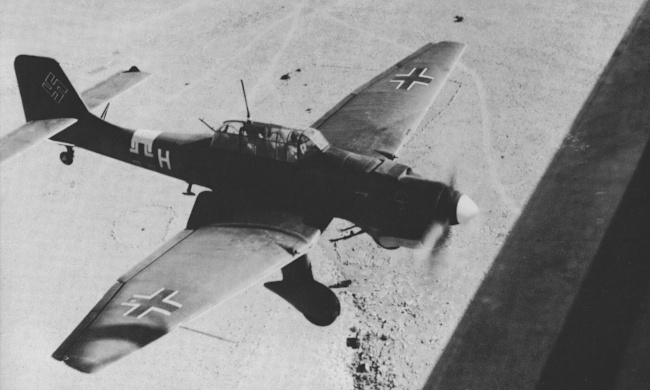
{"points": [[274, 190]]}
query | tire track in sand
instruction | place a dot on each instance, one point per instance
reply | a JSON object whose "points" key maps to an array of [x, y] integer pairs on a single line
{"points": [[271, 68], [351, 27], [486, 126], [232, 58]]}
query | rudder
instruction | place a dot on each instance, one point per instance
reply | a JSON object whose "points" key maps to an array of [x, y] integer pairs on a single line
{"points": [[45, 90]]}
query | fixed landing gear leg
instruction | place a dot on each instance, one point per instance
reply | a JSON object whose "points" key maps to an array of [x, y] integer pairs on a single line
{"points": [[313, 299], [67, 157], [189, 190]]}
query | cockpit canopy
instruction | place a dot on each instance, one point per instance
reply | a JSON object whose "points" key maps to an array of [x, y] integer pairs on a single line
{"points": [[269, 141]]}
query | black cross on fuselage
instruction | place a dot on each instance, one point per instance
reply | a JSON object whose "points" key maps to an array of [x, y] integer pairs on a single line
{"points": [[406, 81], [160, 302]]}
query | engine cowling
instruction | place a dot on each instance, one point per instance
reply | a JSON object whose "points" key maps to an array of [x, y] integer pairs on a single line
{"points": [[390, 202], [418, 211]]}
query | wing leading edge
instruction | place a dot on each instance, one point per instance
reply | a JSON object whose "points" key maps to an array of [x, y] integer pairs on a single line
{"points": [[378, 117], [199, 268]]}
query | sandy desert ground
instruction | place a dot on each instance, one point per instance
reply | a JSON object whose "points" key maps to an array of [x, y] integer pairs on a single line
{"points": [[67, 233]]}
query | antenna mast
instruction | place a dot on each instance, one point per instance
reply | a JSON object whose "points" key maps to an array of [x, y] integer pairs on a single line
{"points": [[248, 113], [206, 123]]}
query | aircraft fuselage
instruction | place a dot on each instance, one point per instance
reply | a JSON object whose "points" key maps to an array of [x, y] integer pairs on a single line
{"points": [[385, 198]]}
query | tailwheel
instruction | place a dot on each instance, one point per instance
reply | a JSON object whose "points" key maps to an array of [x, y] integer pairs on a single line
{"points": [[67, 157]]}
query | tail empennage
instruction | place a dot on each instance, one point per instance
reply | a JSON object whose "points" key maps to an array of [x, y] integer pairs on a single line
{"points": [[51, 103]]}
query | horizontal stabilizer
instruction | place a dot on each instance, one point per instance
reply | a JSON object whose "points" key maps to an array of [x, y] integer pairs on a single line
{"points": [[112, 87], [30, 134]]}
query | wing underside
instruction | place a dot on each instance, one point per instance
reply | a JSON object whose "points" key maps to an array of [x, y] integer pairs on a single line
{"points": [[196, 270], [378, 118]]}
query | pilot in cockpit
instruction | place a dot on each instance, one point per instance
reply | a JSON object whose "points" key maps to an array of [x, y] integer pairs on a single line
{"points": [[292, 147], [253, 131]]}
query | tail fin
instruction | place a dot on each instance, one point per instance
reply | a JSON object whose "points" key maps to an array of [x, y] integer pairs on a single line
{"points": [[45, 90]]}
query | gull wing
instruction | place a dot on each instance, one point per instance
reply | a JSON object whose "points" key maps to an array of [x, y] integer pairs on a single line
{"points": [[112, 87], [200, 267], [378, 117]]}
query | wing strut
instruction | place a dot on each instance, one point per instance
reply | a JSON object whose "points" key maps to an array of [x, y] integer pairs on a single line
{"points": [[103, 117]]}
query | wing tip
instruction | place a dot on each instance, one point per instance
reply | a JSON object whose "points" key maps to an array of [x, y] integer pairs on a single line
{"points": [[459, 45], [80, 364]]}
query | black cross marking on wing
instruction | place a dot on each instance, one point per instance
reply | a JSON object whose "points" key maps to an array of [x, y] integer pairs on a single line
{"points": [[416, 76], [159, 302]]}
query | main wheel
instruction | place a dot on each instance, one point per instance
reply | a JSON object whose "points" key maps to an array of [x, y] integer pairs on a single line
{"points": [[66, 158]]}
